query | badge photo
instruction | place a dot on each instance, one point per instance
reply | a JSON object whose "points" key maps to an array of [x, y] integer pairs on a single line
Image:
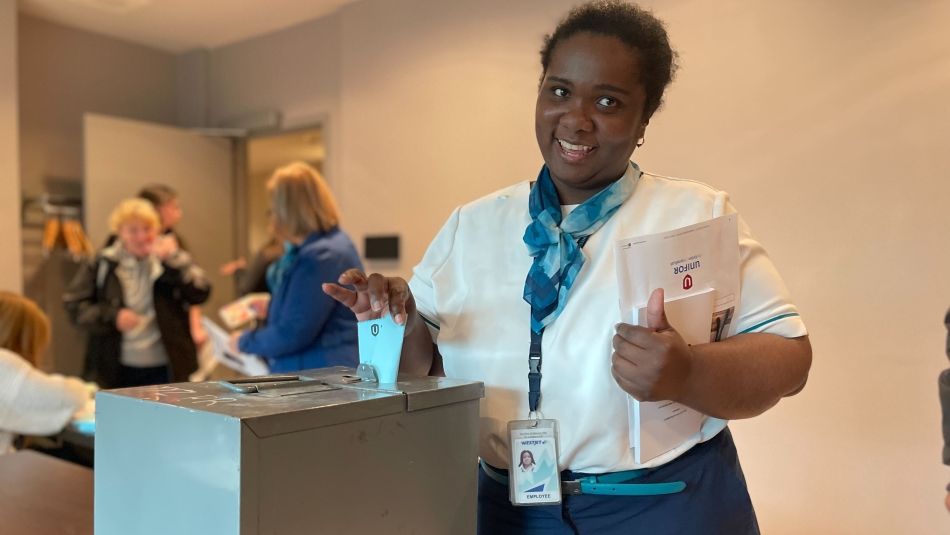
{"points": [[534, 477]]}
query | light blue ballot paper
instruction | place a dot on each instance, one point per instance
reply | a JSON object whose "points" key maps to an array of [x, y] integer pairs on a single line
{"points": [[381, 345]]}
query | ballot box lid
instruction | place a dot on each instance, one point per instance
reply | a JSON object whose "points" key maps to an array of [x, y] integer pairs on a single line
{"points": [[316, 398]]}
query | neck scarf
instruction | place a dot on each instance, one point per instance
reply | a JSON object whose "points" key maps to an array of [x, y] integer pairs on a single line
{"points": [[552, 242], [277, 270]]}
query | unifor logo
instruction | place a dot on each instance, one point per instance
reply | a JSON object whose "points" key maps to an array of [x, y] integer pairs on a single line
{"points": [[687, 282], [374, 329]]}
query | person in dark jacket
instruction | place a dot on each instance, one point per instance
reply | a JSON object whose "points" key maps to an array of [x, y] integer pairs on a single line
{"points": [[166, 202], [133, 300], [305, 328], [945, 404]]}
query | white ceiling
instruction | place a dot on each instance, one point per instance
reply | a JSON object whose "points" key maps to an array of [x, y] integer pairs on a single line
{"points": [[180, 25]]}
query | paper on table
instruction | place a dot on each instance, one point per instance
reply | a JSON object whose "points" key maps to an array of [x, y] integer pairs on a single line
{"points": [[84, 420], [242, 362]]}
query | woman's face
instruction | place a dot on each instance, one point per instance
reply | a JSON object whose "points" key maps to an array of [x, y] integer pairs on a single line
{"points": [[526, 459], [170, 213], [137, 237], [589, 114]]}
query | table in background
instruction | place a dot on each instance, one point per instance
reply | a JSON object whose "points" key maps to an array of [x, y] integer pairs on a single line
{"points": [[43, 495]]}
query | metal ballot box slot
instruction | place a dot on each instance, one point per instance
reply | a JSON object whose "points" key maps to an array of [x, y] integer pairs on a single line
{"points": [[321, 451]]}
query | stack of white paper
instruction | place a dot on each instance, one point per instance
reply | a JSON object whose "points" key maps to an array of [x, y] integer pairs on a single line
{"points": [[241, 312], [241, 362], [660, 426], [698, 268]]}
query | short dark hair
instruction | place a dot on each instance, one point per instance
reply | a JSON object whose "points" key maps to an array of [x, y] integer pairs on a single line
{"points": [[636, 27], [158, 194]]}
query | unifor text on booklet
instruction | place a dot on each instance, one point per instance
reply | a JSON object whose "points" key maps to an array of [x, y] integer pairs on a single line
{"points": [[698, 268]]}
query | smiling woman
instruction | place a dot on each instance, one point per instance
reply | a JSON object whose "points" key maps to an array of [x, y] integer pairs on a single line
{"points": [[527, 274]]}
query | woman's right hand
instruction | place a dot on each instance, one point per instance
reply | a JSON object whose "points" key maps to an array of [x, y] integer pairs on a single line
{"points": [[373, 294], [126, 320]]}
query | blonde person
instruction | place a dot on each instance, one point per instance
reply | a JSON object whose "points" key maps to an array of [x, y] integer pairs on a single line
{"points": [[31, 402], [305, 328], [133, 300]]}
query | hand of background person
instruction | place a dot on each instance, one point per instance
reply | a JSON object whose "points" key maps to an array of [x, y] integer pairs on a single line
{"points": [[199, 335], [231, 267], [126, 320], [373, 294], [233, 341], [259, 306], [651, 363], [165, 246]]}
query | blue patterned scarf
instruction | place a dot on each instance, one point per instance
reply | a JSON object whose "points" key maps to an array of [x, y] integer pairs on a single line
{"points": [[553, 243], [277, 270]]}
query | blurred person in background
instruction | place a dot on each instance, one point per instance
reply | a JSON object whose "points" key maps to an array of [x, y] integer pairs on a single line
{"points": [[305, 328], [166, 202], [251, 277], [945, 403], [31, 402], [134, 299]]}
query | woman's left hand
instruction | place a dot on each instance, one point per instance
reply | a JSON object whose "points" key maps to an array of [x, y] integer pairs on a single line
{"points": [[651, 363]]}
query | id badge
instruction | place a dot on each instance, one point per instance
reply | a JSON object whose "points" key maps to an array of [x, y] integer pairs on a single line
{"points": [[534, 478]]}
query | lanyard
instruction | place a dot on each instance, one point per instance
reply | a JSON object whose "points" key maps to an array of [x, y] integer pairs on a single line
{"points": [[534, 359]]}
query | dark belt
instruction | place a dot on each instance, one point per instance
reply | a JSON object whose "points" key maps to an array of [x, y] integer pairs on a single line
{"points": [[611, 484]]}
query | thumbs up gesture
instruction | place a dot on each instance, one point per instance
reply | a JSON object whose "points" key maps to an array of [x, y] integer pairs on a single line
{"points": [[651, 363]]}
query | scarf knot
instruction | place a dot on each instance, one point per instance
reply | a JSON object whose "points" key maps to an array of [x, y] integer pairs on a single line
{"points": [[551, 241]]}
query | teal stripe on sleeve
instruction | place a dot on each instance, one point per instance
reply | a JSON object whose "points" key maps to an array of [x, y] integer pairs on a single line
{"points": [[770, 320]]}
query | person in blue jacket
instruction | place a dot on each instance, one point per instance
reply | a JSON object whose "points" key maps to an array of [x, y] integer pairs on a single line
{"points": [[305, 328]]}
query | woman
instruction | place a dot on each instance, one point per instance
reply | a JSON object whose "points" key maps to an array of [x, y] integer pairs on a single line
{"points": [[165, 201], [511, 269], [305, 328], [527, 462], [31, 402], [133, 300]]}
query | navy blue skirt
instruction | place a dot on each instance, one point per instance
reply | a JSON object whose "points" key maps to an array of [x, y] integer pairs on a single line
{"points": [[715, 501]]}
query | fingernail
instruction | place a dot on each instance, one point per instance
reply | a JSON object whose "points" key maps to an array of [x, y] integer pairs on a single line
{"points": [[399, 319], [375, 304]]}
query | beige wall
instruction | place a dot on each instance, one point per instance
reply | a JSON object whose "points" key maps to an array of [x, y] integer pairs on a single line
{"points": [[826, 122], [11, 278], [295, 72], [65, 72], [437, 108]]}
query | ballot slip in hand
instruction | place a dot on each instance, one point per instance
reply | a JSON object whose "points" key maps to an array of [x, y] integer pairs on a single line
{"points": [[380, 344]]}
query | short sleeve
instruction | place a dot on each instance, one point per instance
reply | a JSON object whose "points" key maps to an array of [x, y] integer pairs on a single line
{"points": [[435, 258], [765, 305]]}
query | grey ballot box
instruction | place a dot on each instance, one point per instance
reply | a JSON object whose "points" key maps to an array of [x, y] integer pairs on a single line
{"points": [[327, 453]]}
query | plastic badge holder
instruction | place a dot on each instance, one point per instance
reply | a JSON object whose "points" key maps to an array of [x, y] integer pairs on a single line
{"points": [[380, 342]]}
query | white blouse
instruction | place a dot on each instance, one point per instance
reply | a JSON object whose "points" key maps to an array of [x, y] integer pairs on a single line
{"points": [[469, 288]]}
